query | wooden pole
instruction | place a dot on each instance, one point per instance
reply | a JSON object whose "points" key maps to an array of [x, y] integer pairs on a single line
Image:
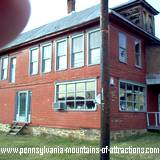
{"points": [[105, 81]]}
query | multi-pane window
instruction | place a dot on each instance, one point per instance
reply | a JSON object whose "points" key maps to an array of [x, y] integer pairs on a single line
{"points": [[122, 47], [46, 58], [132, 97], [13, 70], [4, 68], [94, 42], [34, 61], [61, 54], [138, 53], [77, 51], [77, 95]]}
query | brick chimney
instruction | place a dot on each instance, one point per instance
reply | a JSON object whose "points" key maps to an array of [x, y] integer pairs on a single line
{"points": [[71, 5]]}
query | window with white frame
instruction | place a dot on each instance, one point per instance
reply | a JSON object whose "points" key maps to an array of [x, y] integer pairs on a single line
{"points": [[78, 95], [61, 54], [4, 68], [34, 54], [122, 47], [132, 97], [94, 42], [13, 69], [46, 58], [138, 53], [77, 51]]}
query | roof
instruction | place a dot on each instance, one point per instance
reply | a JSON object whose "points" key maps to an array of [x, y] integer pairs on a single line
{"points": [[71, 20], [74, 19], [132, 3]]}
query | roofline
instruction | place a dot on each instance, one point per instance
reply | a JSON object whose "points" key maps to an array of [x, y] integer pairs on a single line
{"points": [[135, 2], [50, 35], [97, 19]]}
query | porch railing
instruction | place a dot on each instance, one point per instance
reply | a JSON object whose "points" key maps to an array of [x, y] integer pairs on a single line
{"points": [[153, 120]]}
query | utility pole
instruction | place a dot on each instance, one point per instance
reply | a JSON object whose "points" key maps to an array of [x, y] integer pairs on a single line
{"points": [[105, 81]]}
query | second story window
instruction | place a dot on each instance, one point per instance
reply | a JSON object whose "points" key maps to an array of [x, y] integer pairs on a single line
{"points": [[13, 70], [34, 61], [138, 53], [46, 58], [61, 54], [4, 68], [122, 47], [94, 43], [77, 51]]}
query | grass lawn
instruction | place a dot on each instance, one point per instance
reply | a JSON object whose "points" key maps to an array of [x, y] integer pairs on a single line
{"points": [[147, 140]]}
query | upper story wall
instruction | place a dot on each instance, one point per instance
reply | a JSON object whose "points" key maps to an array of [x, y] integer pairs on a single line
{"points": [[23, 59], [130, 69], [86, 70]]}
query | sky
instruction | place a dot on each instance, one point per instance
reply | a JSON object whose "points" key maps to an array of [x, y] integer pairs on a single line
{"points": [[46, 11]]}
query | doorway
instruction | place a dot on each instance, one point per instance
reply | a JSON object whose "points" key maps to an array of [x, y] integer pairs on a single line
{"points": [[23, 106]]}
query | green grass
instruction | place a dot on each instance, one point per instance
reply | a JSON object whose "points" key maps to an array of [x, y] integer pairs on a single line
{"points": [[147, 140]]}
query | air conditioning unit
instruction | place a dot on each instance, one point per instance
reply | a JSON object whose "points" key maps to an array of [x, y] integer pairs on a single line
{"points": [[59, 106]]}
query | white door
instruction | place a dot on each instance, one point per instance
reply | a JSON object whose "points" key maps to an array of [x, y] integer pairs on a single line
{"points": [[22, 107]]}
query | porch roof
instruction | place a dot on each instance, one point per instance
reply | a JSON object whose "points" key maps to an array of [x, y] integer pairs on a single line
{"points": [[152, 79]]}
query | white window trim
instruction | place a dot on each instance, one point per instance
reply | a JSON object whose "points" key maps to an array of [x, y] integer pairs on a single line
{"points": [[3, 57], [76, 81], [145, 96], [29, 68], [41, 55], [58, 41], [10, 68], [71, 49], [126, 59], [139, 41], [89, 32]]}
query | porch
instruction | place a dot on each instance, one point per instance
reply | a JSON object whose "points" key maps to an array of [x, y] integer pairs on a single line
{"points": [[153, 120]]}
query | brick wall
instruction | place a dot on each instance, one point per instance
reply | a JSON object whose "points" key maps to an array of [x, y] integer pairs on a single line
{"points": [[125, 120], [42, 87]]}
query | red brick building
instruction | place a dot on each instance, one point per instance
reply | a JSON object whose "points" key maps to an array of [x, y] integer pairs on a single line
{"points": [[50, 76]]}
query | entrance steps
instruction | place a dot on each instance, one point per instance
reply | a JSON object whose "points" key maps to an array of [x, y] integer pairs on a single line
{"points": [[16, 129]]}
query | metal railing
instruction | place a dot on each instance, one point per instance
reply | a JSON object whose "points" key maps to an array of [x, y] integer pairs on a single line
{"points": [[153, 119]]}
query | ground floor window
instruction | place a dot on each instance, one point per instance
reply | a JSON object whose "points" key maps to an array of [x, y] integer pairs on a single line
{"points": [[132, 97], [77, 95]]}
